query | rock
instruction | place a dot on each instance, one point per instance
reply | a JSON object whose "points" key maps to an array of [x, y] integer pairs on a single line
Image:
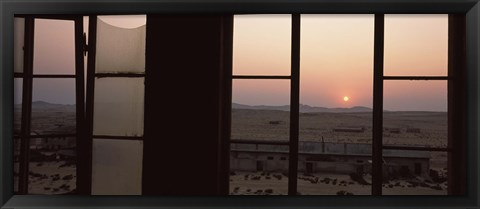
{"points": [[68, 177], [342, 192], [358, 178]]}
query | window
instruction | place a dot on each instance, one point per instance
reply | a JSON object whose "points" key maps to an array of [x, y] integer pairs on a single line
{"points": [[51, 105], [281, 140], [470, 9], [401, 133], [116, 115], [260, 85], [48, 123]]}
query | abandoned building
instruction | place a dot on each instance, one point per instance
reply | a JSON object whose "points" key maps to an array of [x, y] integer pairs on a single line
{"points": [[315, 157]]}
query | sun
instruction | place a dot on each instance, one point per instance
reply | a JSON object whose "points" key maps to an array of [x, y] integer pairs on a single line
{"points": [[345, 98]]}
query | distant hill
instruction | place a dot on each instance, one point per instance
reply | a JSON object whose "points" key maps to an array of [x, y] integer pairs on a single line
{"points": [[303, 108], [45, 106]]}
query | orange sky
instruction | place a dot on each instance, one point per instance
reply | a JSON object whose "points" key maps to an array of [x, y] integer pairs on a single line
{"points": [[337, 60]]}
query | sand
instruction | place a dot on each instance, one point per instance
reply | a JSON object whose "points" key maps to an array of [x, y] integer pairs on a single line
{"points": [[270, 185], [255, 125], [51, 178], [432, 130]]}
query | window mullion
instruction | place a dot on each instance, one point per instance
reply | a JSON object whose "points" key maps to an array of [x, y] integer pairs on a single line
{"points": [[86, 145], [294, 105], [416, 78], [26, 105], [261, 77], [80, 104], [377, 175]]}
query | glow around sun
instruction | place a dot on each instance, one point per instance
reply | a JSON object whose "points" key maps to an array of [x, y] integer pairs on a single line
{"points": [[345, 98]]}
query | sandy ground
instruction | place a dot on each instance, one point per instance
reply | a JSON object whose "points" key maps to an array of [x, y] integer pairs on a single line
{"points": [[433, 126], [256, 125], [51, 178], [271, 185]]}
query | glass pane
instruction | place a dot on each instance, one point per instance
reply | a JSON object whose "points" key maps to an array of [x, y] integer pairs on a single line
{"points": [[17, 113], [415, 113], [120, 50], [261, 110], [118, 107], [124, 21], [54, 47], [52, 167], [416, 44], [53, 106], [415, 172], [262, 44], [335, 121], [258, 169], [117, 167], [18, 39]]}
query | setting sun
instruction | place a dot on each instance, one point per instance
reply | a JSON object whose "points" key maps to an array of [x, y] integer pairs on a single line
{"points": [[345, 99]]}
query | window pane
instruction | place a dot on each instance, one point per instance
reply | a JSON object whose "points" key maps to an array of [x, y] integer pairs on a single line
{"points": [[120, 50], [17, 113], [415, 113], [118, 107], [53, 106], [260, 110], [117, 167], [416, 44], [415, 172], [262, 44], [18, 39], [54, 47], [52, 166], [124, 21], [258, 169], [335, 129]]}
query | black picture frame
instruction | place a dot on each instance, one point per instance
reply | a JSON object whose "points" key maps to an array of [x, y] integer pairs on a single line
{"points": [[8, 8]]}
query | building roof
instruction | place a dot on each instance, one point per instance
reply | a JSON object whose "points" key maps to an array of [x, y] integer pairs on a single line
{"points": [[328, 148]]}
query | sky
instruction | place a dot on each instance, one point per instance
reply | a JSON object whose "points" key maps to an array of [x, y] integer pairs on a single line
{"points": [[336, 59], [54, 54]]}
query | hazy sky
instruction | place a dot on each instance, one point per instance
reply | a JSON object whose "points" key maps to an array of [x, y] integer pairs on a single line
{"points": [[54, 54], [336, 59]]}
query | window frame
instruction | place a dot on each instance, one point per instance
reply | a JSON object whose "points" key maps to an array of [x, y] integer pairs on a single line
{"points": [[468, 7], [27, 75], [456, 60], [92, 75]]}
